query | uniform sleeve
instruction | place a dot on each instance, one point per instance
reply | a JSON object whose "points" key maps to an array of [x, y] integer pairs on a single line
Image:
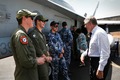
{"points": [[83, 41], [61, 44], [50, 43], [85, 53], [70, 37], [25, 53], [78, 42], [60, 40]]}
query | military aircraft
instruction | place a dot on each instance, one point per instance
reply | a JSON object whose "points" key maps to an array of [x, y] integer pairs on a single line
{"points": [[57, 10]]}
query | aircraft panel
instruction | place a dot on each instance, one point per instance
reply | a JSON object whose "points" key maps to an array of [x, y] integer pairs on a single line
{"points": [[60, 8], [5, 50], [8, 21]]}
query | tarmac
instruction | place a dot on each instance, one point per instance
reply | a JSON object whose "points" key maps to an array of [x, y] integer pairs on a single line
{"points": [[82, 73], [7, 67]]}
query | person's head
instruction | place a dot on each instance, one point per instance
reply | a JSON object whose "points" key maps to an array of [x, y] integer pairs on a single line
{"points": [[90, 23], [84, 30], [74, 28], [78, 31], [54, 26], [25, 17], [40, 21], [64, 24]]}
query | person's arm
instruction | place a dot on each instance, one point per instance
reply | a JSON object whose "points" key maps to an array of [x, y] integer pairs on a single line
{"points": [[61, 44], [54, 44], [51, 43], [70, 38], [61, 54], [84, 53], [25, 53], [48, 58], [104, 50], [82, 58], [61, 48]]}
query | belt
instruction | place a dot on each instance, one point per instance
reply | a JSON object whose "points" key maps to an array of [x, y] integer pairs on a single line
{"points": [[94, 58]]}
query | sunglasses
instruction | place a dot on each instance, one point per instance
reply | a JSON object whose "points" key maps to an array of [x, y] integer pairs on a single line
{"points": [[30, 17], [42, 21], [56, 26]]}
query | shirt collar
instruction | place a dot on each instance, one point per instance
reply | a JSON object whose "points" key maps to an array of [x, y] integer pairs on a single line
{"points": [[21, 27], [94, 29]]}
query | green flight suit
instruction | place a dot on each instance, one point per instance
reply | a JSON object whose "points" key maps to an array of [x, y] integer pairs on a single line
{"points": [[39, 41], [24, 55]]}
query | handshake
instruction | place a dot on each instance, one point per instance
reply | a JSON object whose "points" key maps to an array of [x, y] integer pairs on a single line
{"points": [[41, 60]]}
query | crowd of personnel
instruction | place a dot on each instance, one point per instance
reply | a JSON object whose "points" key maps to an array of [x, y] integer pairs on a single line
{"points": [[33, 53]]}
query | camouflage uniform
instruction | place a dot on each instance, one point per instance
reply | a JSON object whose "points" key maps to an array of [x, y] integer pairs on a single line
{"points": [[55, 44], [39, 41], [81, 43], [67, 39], [24, 55]]}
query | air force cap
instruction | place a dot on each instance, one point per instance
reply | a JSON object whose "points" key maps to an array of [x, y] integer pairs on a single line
{"points": [[25, 12]]}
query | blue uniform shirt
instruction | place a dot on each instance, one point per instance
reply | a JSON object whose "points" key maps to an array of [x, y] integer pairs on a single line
{"points": [[55, 43], [66, 36], [81, 42]]}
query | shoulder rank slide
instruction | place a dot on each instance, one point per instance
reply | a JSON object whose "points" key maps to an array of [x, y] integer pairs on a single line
{"points": [[23, 40]]}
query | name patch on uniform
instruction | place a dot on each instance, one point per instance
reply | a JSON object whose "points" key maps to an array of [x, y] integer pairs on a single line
{"points": [[23, 40]]}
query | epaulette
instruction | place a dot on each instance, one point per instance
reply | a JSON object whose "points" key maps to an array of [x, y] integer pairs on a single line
{"points": [[20, 31]]}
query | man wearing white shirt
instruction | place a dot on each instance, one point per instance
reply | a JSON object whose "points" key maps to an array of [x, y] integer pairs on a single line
{"points": [[98, 51]]}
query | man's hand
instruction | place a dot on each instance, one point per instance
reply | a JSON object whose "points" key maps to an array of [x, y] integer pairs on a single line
{"points": [[40, 60], [82, 58], [99, 74], [61, 55], [48, 58], [62, 50]]}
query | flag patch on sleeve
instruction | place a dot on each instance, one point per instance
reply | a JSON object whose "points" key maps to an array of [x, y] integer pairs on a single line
{"points": [[23, 40]]}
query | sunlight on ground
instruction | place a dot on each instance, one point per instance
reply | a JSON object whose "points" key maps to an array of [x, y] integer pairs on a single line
{"points": [[7, 67], [115, 65]]}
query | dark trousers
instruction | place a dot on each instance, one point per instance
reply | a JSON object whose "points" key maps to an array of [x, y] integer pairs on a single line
{"points": [[94, 63]]}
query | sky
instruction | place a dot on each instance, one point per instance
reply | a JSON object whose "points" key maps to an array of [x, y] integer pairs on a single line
{"points": [[106, 8]]}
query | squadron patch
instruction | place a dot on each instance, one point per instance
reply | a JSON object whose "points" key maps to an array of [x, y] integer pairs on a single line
{"points": [[23, 40]]}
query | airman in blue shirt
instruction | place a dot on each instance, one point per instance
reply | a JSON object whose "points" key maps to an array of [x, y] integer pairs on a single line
{"points": [[56, 51], [67, 39]]}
